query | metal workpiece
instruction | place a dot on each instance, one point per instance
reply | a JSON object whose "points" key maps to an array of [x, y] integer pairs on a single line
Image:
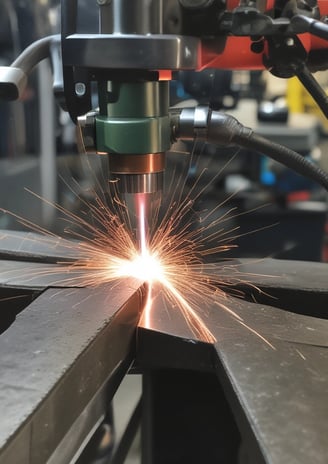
{"points": [[272, 366], [261, 388], [174, 346], [38, 276], [71, 345], [30, 261], [299, 286], [33, 247], [61, 362]]}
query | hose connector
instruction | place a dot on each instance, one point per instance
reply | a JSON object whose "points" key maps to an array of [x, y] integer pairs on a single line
{"points": [[222, 129], [201, 123], [189, 123]]}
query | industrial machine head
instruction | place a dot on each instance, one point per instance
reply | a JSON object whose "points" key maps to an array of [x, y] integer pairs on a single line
{"points": [[128, 63], [130, 60]]}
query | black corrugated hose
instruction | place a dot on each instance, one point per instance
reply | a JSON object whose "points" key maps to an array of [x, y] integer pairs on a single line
{"points": [[224, 128], [313, 87], [301, 24]]}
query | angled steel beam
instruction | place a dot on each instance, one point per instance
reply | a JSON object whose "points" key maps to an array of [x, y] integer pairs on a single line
{"points": [[61, 362], [277, 388]]}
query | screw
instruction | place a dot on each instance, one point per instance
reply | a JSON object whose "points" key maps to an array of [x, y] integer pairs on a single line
{"points": [[80, 89], [290, 42]]}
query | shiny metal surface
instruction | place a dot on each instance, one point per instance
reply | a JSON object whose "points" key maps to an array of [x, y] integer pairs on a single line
{"points": [[72, 346], [132, 51], [271, 364], [137, 163], [140, 173], [12, 83], [140, 183], [136, 21], [86, 124], [67, 367], [278, 395], [31, 247]]}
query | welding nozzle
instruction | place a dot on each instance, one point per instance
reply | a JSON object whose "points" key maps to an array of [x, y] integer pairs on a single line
{"points": [[133, 128], [134, 173], [202, 123], [138, 173]]}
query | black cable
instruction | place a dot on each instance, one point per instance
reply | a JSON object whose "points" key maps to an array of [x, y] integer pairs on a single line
{"points": [[246, 138], [301, 24], [221, 129], [314, 88], [285, 156]]}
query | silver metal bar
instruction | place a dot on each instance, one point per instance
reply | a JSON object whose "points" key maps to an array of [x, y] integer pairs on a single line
{"points": [[272, 363], [67, 350], [48, 165]]}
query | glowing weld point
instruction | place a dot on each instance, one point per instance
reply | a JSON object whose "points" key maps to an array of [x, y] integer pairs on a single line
{"points": [[144, 267], [148, 268], [172, 257]]}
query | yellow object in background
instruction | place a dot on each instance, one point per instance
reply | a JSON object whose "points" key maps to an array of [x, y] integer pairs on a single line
{"points": [[300, 101]]}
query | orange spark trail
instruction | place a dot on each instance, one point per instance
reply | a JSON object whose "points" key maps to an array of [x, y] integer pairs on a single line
{"points": [[143, 250], [154, 271], [169, 254]]}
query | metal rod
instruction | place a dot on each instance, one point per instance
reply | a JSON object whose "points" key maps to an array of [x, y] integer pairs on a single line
{"points": [[131, 17], [68, 17], [48, 165], [33, 54], [314, 88]]}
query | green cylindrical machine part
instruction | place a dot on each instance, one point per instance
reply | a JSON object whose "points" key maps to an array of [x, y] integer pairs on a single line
{"points": [[133, 117]]}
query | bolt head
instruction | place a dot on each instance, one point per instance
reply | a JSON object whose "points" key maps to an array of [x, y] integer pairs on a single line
{"points": [[290, 42], [80, 89]]}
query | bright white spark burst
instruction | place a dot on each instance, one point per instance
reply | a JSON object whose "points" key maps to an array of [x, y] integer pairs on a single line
{"points": [[172, 256], [145, 267]]}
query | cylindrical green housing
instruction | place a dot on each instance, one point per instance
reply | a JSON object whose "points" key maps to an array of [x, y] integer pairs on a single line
{"points": [[133, 117]]}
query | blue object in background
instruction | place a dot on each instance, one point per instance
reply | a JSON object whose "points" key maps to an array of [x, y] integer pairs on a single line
{"points": [[285, 180]]}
